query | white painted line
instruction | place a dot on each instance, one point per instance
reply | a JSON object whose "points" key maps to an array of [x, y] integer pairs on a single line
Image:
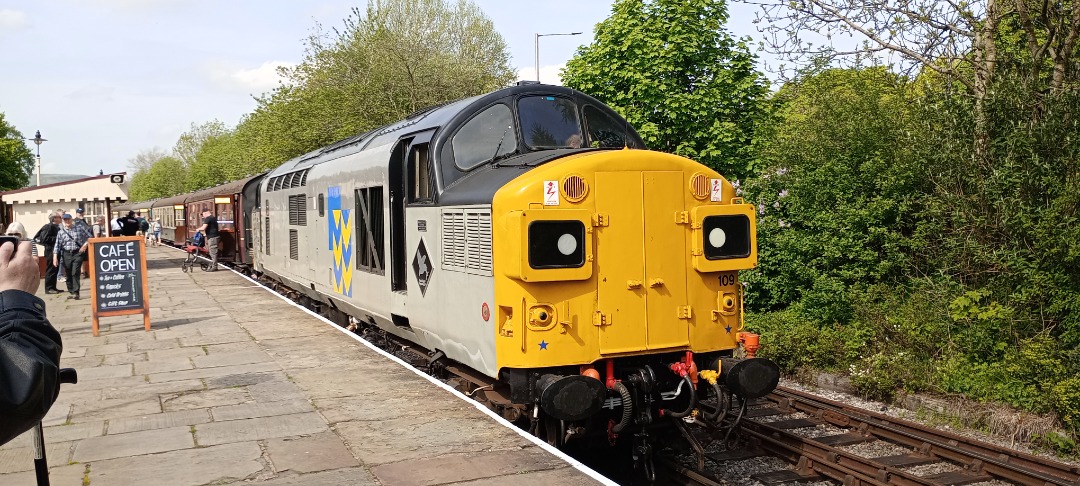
{"points": [[498, 418]]}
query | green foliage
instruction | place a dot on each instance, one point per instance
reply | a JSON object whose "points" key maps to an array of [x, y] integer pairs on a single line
{"points": [[387, 61], [395, 58], [671, 68], [16, 160], [164, 178], [840, 195]]}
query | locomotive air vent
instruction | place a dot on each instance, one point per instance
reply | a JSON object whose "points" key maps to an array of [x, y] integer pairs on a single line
{"points": [[294, 248], [466, 242], [574, 188], [699, 186]]}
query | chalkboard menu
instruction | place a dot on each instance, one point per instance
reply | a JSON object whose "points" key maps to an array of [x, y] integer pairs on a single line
{"points": [[118, 278]]}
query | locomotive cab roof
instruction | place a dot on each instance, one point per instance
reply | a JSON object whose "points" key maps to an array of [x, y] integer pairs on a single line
{"points": [[470, 139]]}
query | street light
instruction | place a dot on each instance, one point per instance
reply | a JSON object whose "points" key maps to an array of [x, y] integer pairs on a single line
{"points": [[37, 141], [536, 45]]}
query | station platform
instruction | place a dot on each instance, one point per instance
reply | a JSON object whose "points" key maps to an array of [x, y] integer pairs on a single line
{"points": [[234, 384]]}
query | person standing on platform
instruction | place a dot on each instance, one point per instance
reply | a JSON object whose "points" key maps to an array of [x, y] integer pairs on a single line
{"points": [[46, 236], [144, 225], [130, 224], [155, 231], [100, 229], [30, 347], [80, 219], [71, 243], [210, 229]]}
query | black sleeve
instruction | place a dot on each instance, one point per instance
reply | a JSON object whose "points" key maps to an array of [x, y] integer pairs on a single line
{"points": [[29, 363]]}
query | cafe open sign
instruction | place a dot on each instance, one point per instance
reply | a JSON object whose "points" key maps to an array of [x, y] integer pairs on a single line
{"points": [[118, 278]]}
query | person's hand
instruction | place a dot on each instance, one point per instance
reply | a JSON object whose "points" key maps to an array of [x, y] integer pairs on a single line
{"points": [[18, 269], [55, 261]]}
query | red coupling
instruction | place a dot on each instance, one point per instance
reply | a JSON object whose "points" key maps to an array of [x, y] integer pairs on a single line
{"points": [[610, 382]]}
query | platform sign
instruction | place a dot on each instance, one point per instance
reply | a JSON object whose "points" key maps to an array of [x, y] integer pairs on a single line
{"points": [[118, 278]]}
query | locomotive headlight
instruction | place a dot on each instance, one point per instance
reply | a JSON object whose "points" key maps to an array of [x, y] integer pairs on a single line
{"points": [[556, 244], [726, 236]]}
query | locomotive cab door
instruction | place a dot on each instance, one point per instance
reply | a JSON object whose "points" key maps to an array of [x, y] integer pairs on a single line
{"points": [[411, 184], [641, 255]]}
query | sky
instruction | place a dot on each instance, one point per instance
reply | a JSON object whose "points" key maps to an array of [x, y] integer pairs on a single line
{"points": [[106, 79]]}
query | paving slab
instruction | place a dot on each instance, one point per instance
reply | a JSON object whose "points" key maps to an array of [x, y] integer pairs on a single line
{"points": [[133, 444], [190, 467], [355, 476], [318, 452], [259, 428], [233, 385], [162, 420], [204, 399], [261, 409], [454, 468]]}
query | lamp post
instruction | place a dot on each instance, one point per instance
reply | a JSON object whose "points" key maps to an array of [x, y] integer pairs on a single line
{"points": [[536, 46], [37, 141]]}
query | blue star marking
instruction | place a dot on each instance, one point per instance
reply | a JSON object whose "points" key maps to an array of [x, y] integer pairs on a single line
{"points": [[543, 344], [728, 329]]}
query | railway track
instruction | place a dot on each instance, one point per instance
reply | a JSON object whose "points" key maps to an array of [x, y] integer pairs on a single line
{"points": [[825, 440]]}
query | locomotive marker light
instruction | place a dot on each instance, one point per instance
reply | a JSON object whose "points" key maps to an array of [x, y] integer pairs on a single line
{"points": [[561, 236]]}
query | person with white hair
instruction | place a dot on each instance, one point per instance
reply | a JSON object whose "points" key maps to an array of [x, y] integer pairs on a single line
{"points": [[18, 230]]}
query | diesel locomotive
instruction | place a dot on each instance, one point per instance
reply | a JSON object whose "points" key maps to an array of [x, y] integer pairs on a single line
{"points": [[525, 243]]}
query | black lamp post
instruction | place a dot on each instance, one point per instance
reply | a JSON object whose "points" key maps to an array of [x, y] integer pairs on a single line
{"points": [[37, 141]]}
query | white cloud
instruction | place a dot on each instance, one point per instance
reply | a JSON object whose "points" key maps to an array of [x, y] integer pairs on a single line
{"points": [[252, 80], [12, 19], [548, 74]]}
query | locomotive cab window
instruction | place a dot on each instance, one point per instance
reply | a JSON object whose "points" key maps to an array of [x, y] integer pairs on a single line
{"points": [[421, 181], [485, 137], [604, 130], [549, 122]]}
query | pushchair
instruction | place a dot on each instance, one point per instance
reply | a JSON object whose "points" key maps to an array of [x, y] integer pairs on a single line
{"points": [[194, 246]]}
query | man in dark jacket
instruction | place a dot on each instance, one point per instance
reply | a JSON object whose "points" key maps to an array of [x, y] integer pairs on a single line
{"points": [[47, 236], [29, 346], [130, 224]]}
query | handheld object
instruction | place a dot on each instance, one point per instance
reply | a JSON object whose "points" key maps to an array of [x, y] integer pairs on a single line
{"points": [[13, 239]]}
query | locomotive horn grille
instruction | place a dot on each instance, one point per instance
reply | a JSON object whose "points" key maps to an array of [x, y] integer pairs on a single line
{"points": [[699, 186], [574, 188]]}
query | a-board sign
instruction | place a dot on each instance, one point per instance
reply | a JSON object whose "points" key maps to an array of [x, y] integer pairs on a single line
{"points": [[118, 278]]}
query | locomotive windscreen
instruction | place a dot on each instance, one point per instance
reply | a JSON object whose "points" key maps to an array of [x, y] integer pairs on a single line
{"points": [[549, 122]]}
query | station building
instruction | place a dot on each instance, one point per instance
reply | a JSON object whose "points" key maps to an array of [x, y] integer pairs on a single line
{"points": [[94, 194]]}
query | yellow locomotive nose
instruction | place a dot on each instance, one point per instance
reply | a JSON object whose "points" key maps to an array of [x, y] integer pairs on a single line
{"points": [[630, 251]]}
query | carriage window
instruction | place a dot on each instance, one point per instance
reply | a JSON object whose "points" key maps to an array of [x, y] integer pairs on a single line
{"points": [[604, 130], [485, 136], [421, 183], [549, 122]]}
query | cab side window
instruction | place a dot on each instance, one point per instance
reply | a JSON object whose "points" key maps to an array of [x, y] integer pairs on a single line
{"points": [[484, 137], [421, 180], [604, 131]]}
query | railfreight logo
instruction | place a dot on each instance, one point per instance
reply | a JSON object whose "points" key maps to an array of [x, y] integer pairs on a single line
{"points": [[340, 242]]}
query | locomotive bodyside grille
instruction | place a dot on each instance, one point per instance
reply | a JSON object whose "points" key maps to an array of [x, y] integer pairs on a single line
{"points": [[466, 243]]}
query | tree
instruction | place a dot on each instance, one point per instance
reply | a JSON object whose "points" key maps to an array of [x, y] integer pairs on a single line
{"points": [[962, 41], [393, 59], [189, 142], [675, 73], [146, 159], [16, 160], [841, 195], [165, 178]]}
